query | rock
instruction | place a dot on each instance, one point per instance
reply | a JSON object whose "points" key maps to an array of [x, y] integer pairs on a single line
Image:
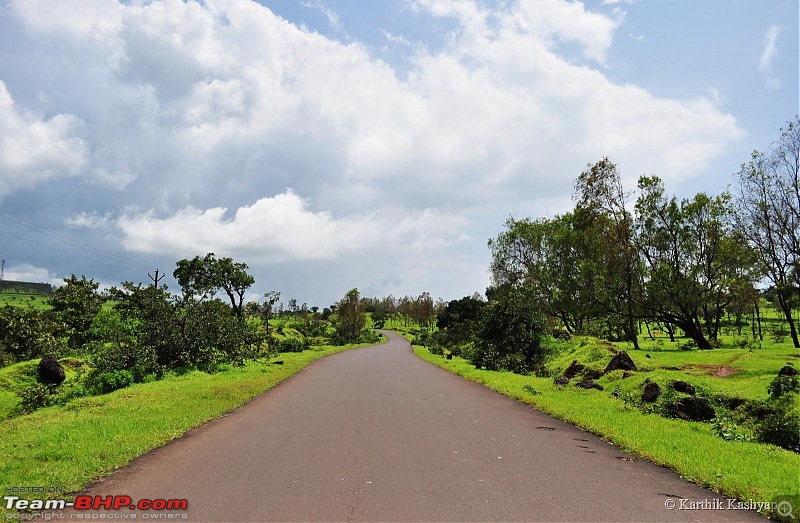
{"points": [[50, 371], [682, 386], [651, 392], [560, 380], [626, 374], [647, 356], [620, 362], [589, 384], [573, 369], [591, 374], [788, 371], [692, 409]]}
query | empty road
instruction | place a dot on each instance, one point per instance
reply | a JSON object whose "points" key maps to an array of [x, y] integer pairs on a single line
{"points": [[377, 434]]}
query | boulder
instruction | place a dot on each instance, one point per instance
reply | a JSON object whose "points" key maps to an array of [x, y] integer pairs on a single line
{"points": [[589, 384], [574, 369], [620, 362], [50, 371], [682, 386], [560, 380], [692, 409], [651, 392], [788, 370]]}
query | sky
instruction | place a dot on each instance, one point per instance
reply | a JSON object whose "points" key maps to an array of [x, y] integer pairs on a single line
{"points": [[332, 144]]}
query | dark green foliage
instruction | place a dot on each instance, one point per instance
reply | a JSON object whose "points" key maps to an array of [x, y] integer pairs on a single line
{"points": [[379, 318], [458, 322], [37, 396], [352, 318], [292, 345], [781, 427], [105, 382], [509, 334], [212, 334], [153, 320], [28, 333], [76, 303], [783, 385], [201, 278]]}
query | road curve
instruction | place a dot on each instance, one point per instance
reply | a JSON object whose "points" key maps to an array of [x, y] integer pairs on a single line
{"points": [[377, 434]]}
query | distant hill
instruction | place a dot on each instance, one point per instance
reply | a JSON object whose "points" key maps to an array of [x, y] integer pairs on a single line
{"points": [[25, 287]]}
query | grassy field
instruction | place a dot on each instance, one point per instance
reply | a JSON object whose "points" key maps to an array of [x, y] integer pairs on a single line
{"points": [[740, 469], [37, 301], [69, 446]]}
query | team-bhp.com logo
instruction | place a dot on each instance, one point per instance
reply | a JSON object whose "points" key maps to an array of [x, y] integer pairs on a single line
{"points": [[95, 503]]}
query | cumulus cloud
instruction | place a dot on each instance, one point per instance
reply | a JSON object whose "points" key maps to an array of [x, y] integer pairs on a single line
{"points": [[34, 149], [281, 228], [203, 113]]}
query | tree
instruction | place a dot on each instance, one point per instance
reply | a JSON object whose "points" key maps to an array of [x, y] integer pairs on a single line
{"points": [[608, 226], [267, 310], [352, 317], [201, 278], [510, 332], [544, 255], [76, 303], [768, 213], [691, 256]]}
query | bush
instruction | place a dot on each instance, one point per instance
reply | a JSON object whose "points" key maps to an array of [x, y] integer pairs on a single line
{"points": [[782, 427], [105, 382], [292, 345], [783, 385], [36, 396]]}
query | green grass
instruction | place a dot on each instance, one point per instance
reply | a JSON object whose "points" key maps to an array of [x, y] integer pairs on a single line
{"points": [[69, 446], [37, 301], [743, 470]]}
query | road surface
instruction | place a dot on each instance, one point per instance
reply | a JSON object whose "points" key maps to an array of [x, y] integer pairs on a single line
{"points": [[377, 434]]}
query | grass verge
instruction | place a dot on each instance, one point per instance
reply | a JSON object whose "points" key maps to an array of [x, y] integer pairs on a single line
{"points": [[69, 446], [742, 470]]}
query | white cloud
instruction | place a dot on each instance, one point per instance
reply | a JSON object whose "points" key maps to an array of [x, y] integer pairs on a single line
{"points": [[281, 228], [770, 48], [768, 55], [34, 149], [29, 273], [192, 109]]}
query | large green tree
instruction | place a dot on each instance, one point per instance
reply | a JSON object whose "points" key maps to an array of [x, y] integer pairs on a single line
{"points": [[692, 258], [201, 278], [76, 303], [352, 318], [608, 244]]}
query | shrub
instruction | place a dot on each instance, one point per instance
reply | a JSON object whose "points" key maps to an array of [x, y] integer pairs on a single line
{"points": [[781, 427], [36, 396], [292, 345], [783, 385], [105, 382]]}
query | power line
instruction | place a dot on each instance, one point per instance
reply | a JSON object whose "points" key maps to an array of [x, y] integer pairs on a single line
{"points": [[66, 239]]}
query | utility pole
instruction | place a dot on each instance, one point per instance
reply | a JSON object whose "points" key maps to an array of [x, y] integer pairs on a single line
{"points": [[2, 268], [155, 280]]}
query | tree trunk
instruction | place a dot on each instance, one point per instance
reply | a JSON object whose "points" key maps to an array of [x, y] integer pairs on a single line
{"points": [[671, 332], [693, 331], [787, 311]]}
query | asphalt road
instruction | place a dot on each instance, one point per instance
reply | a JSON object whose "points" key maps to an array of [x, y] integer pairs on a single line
{"points": [[377, 434]]}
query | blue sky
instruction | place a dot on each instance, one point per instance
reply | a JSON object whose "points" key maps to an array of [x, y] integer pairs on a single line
{"points": [[332, 144]]}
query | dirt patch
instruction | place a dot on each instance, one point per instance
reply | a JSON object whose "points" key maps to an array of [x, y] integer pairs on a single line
{"points": [[718, 371]]}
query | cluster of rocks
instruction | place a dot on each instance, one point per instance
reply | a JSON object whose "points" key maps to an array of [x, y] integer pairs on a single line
{"points": [[620, 361]]}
